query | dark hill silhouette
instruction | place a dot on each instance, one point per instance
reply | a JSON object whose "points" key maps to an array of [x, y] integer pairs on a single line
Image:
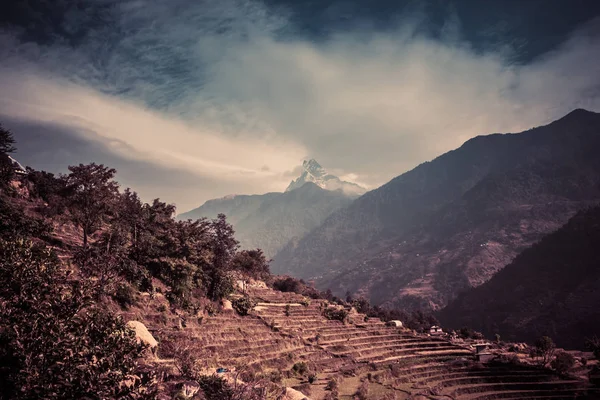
{"points": [[549, 289], [450, 224]]}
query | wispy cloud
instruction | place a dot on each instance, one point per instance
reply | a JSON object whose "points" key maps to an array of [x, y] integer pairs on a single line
{"points": [[230, 93]]}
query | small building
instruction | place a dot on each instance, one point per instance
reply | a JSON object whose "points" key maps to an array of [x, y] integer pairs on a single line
{"points": [[17, 167], [482, 354], [484, 357], [481, 347], [436, 330], [396, 323]]}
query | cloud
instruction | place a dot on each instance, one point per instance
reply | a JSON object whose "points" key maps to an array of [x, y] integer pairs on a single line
{"points": [[52, 147], [219, 90]]}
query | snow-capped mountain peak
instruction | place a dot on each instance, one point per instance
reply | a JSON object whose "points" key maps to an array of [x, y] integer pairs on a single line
{"points": [[315, 173], [313, 168]]}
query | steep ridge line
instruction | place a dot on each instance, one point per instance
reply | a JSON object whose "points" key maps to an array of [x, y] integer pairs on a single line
{"points": [[450, 224]]}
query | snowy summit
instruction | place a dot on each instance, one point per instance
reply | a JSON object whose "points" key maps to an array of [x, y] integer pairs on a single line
{"points": [[315, 173]]}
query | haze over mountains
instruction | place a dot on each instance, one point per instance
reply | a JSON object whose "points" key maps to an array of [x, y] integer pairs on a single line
{"points": [[450, 224], [442, 229], [271, 220]]}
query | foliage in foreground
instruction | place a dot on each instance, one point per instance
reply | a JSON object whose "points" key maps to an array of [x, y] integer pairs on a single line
{"points": [[54, 342]]}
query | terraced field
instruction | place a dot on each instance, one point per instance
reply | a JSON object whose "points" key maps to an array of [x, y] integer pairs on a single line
{"points": [[285, 331], [410, 365]]}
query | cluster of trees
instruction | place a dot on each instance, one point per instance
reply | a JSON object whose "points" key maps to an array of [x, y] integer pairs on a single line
{"points": [[57, 338], [7, 146], [138, 241], [56, 342]]}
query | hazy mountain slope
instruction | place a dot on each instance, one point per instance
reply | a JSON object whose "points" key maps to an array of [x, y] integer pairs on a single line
{"points": [[449, 224], [236, 207], [550, 289], [271, 220]]}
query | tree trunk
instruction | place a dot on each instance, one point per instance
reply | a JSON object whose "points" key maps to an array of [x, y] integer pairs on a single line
{"points": [[108, 242]]}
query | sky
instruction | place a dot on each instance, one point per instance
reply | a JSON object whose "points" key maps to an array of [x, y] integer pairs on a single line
{"points": [[195, 99]]}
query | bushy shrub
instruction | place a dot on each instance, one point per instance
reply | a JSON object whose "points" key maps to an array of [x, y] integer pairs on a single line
{"points": [[332, 385], [51, 331], [125, 296], [361, 305], [288, 284], [563, 362], [544, 348], [15, 223], [215, 387], [510, 359], [51, 189], [275, 377], [332, 313], [300, 368], [593, 345], [243, 305], [363, 391], [220, 286]]}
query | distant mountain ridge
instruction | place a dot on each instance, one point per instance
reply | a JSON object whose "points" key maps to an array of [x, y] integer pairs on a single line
{"points": [[315, 173], [450, 224], [271, 220], [549, 289]]}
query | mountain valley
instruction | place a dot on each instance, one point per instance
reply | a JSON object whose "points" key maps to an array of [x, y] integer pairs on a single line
{"points": [[271, 220], [450, 224]]}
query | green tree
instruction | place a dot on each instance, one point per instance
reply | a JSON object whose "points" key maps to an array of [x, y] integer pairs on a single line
{"points": [[55, 343], [7, 142], [155, 230], [49, 188], [361, 305], [593, 345], [251, 262], [131, 215], [15, 223], [92, 196], [563, 362], [224, 245], [243, 305], [545, 348]]}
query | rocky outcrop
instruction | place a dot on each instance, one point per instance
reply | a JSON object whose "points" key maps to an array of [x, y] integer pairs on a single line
{"points": [[226, 306], [293, 394], [143, 335]]}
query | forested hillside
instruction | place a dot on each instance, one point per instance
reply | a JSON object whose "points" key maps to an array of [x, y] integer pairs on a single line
{"points": [[450, 224], [549, 289], [76, 253]]}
